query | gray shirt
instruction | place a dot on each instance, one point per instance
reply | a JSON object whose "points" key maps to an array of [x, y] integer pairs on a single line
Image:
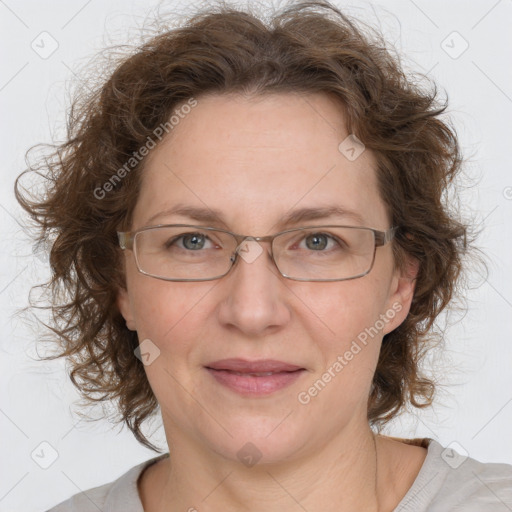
{"points": [[447, 481]]}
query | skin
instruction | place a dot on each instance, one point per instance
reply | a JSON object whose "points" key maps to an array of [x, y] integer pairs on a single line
{"points": [[256, 158]]}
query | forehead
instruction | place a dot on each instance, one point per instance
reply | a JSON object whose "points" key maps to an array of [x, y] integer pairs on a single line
{"points": [[255, 159]]}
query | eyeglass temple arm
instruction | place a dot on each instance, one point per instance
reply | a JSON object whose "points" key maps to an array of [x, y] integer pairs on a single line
{"points": [[383, 237], [125, 239]]}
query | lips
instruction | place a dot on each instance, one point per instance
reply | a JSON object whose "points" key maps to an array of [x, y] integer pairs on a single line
{"points": [[258, 368], [254, 379]]}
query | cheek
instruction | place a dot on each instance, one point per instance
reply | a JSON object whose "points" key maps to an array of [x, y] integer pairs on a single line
{"points": [[348, 349], [170, 314], [344, 309], [345, 326]]}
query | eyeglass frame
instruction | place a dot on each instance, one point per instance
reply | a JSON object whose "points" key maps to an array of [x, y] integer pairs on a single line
{"points": [[127, 242]]}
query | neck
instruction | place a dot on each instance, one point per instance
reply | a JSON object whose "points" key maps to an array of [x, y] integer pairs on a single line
{"points": [[346, 472]]}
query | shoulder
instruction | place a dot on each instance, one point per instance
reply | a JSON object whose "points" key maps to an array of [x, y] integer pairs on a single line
{"points": [[121, 494], [89, 500], [451, 480], [474, 485]]}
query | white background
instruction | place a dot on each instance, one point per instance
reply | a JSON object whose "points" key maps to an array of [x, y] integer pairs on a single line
{"points": [[474, 407]]}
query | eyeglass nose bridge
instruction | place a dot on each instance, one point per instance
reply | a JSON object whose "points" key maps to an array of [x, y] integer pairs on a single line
{"points": [[241, 239]]}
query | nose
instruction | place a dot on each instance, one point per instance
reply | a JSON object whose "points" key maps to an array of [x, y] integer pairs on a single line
{"points": [[254, 299]]}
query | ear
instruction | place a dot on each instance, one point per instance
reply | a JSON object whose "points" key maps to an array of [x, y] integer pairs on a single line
{"points": [[401, 293], [125, 307]]}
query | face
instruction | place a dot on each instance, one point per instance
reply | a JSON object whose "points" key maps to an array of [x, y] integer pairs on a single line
{"points": [[255, 160]]}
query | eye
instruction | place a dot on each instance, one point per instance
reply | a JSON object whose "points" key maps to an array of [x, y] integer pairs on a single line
{"points": [[190, 241], [319, 241]]}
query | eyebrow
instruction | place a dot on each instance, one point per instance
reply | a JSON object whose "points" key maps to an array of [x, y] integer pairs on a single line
{"points": [[214, 217]]}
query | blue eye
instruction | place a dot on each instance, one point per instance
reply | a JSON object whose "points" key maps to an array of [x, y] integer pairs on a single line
{"points": [[319, 241], [190, 241]]}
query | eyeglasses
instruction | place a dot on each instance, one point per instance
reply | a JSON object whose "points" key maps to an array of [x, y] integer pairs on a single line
{"points": [[183, 252]]}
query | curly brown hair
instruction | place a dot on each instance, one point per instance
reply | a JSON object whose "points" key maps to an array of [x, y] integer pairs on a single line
{"points": [[309, 47]]}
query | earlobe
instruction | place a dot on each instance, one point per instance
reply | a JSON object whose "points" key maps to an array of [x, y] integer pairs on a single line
{"points": [[124, 305]]}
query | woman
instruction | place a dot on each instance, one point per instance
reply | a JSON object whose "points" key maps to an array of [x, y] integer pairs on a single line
{"points": [[251, 234]]}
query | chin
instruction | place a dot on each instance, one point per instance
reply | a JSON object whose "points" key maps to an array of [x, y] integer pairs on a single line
{"points": [[261, 440]]}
